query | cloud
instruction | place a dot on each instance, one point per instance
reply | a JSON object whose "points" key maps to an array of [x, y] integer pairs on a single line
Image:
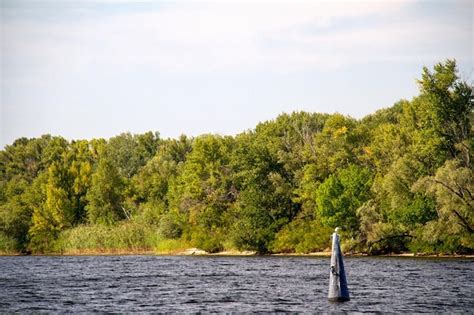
{"points": [[196, 37]]}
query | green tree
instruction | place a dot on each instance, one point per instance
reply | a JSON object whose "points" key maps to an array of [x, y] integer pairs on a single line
{"points": [[406, 207], [23, 166], [453, 189], [16, 211], [128, 153], [152, 184], [264, 188], [202, 191], [152, 181], [341, 194], [398, 179], [105, 196], [335, 145], [450, 107], [53, 215], [79, 161]]}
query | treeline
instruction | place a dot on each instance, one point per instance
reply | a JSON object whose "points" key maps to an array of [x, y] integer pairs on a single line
{"points": [[399, 179]]}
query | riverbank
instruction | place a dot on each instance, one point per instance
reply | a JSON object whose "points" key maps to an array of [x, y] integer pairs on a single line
{"points": [[199, 252]]}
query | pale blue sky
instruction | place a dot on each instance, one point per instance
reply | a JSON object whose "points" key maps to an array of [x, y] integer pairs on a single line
{"points": [[89, 69]]}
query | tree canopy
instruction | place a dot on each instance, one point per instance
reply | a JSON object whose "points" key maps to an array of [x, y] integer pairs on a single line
{"points": [[396, 180]]}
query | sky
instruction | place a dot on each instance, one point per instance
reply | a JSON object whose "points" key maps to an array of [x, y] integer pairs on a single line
{"points": [[90, 69]]}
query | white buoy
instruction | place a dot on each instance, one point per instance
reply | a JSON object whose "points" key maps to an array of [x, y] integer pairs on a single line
{"points": [[338, 291]]}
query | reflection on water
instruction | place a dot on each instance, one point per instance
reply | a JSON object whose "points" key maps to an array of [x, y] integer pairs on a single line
{"points": [[267, 284]]}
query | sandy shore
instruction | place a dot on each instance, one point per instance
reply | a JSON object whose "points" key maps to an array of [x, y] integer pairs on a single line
{"points": [[199, 252]]}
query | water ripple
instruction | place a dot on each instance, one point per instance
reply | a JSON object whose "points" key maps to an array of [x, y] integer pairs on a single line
{"points": [[230, 284]]}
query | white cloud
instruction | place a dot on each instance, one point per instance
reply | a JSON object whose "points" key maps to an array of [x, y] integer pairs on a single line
{"points": [[193, 37], [69, 66]]}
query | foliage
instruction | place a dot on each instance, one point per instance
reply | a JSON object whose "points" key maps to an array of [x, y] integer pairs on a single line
{"points": [[54, 214], [302, 236], [105, 195], [7, 244], [453, 189], [341, 194], [398, 179]]}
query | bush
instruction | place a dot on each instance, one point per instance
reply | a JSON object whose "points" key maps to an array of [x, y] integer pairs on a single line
{"points": [[7, 245], [170, 227], [209, 241], [432, 239], [151, 212], [386, 238], [302, 236], [254, 230]]}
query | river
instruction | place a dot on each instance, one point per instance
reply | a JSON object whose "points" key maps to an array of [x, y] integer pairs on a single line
{"points": [[230, 284]]}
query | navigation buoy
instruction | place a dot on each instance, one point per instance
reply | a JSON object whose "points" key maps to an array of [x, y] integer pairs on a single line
{"points": [[338, 291]]}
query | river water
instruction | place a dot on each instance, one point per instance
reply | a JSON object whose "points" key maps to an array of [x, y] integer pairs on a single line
{"points": [[231, 284]]}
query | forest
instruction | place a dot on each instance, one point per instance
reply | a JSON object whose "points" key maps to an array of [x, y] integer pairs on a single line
{"points": [[398, 180]]}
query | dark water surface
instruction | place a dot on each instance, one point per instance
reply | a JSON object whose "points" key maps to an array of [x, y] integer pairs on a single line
{"points": [[223, 284]]}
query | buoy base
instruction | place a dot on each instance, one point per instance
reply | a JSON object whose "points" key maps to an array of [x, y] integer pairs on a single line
{"points": [[339, 299]]}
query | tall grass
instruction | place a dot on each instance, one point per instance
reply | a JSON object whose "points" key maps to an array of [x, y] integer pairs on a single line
{"points": [[171, 246], [127, 238]]}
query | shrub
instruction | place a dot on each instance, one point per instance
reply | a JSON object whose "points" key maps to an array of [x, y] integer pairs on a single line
{"points": [[7, 245], [302, 236]]}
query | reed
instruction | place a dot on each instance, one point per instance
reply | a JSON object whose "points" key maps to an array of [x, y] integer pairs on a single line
{"points": [[128, 236]]}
